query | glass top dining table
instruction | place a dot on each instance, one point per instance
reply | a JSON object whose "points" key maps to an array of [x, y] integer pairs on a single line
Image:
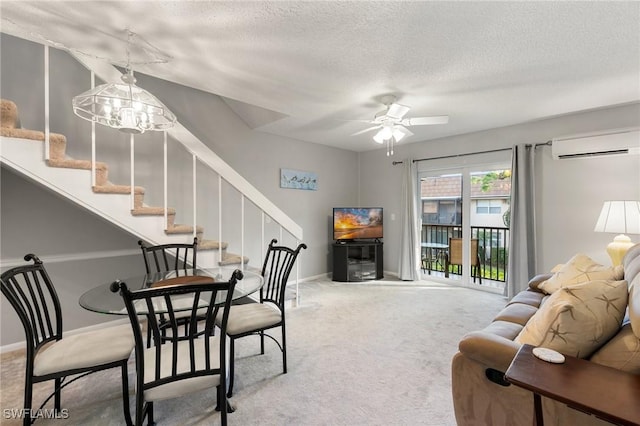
{"points": [[101, 299]]}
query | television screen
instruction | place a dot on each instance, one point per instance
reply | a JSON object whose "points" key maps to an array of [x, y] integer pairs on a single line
{"points": [[350, 223]]}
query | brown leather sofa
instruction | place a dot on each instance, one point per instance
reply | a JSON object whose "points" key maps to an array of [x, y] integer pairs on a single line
{"points": [[480, 394]]}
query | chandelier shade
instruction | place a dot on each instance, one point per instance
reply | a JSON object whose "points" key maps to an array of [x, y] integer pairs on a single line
{"points": [[125, 107]]}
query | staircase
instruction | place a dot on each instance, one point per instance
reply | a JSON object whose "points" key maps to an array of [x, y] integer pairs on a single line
{"points": [[42, 157], [20, 138]]}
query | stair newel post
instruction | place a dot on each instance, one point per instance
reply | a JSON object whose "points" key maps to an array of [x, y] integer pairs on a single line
{"points": [[133, 188], [194, 163], [93, 137], [46, 102], [219, 217], [164, 183]]}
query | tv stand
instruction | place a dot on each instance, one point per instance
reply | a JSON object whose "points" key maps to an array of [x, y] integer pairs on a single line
{"points": [[357, 261]]}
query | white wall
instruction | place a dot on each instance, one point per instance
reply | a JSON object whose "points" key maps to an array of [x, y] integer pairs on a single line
{"points": [[570, 192]]}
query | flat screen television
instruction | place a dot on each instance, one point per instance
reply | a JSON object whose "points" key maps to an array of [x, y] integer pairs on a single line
{"points": [[357, 223]]}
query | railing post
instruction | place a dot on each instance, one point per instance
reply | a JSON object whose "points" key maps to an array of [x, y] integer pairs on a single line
{"points": [[93, 138], [220, 218], [241, 231], [165, 182], [193, 165], [132, 155], [46, 102], [262, 249]]}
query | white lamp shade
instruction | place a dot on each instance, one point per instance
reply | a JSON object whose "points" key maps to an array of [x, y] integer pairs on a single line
{"points": [[619, 217]]}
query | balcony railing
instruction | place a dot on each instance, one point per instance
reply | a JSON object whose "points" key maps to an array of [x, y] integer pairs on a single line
{"points": [[493, 250]]}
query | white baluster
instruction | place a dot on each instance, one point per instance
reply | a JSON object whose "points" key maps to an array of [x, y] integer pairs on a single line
{"points": [[46, 102]]}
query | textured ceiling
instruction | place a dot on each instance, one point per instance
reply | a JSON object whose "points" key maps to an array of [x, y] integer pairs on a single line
{"points": [[298, 69]]}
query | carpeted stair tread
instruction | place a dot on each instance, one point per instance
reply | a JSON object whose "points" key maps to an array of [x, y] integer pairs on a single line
{"points": [[152, 211], [117, 189], [34, 135], [232, 259], [183, 229], [9, 114], [212, 245], [10, 127], [70, 163]]}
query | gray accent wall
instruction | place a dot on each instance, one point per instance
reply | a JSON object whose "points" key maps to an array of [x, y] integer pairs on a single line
{"points": [[85, 250], [32, 219], [257, 156]]}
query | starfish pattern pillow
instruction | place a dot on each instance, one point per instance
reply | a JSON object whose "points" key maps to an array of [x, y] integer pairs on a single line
{"points": [[580, 269], [577, 320]]}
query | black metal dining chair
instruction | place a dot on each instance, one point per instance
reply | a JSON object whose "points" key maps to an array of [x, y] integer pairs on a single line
{"points": [[256, 318], [49, 355], [174, 367], [169, 257]]}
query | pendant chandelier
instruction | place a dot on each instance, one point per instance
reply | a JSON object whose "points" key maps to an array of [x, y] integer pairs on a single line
{"points": [[124, 106]]}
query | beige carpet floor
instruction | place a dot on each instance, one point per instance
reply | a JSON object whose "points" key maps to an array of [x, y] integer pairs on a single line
{"points": [[359, 354]]}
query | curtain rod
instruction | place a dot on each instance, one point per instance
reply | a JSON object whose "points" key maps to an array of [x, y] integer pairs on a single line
{"points": [[535, 145]]}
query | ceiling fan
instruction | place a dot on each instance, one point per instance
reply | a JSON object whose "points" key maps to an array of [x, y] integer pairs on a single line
{"points": [[393, 126]]}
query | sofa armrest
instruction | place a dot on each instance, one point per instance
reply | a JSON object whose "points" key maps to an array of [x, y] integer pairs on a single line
{"points": [[537, 280], [489, 349]]}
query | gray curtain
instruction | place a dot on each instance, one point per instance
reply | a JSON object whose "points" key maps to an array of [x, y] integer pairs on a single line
{"points": [[409, 262], [522, 237]]}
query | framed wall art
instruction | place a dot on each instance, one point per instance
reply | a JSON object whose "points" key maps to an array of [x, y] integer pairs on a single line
{"points": [[297, 179]]}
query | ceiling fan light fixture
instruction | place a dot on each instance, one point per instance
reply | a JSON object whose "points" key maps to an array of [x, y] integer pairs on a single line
{"points": [[378, 138], [398, 134]]}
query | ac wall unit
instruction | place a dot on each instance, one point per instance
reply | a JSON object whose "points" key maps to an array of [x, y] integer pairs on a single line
{"points": [[612, 142]]}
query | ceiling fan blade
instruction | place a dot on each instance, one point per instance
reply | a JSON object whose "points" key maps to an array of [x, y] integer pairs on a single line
{"points": [[397, 111], [403, 129], [366, 130], [356, 121], [422, 121]]}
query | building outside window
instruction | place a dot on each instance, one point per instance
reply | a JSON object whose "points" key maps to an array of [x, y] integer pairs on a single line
{"points": [[489, 207]]}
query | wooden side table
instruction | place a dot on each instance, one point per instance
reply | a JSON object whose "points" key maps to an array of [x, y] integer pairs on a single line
{"points": [[605, 392]]}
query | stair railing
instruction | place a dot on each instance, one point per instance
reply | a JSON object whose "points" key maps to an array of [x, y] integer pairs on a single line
{"points": [[200, 152]]}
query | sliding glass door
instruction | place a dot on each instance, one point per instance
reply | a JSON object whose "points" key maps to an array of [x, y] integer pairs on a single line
{"points": [[465, 224]]}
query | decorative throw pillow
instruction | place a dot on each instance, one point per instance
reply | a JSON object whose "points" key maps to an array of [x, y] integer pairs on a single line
{"points": [[577, 320], [580, 269], [622, 352]]}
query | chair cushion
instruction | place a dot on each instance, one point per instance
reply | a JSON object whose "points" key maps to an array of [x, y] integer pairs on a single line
{"points": [[200, 313], [85, 350], [577, 320], [251, 317], [580, 269], [185, 386]]}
